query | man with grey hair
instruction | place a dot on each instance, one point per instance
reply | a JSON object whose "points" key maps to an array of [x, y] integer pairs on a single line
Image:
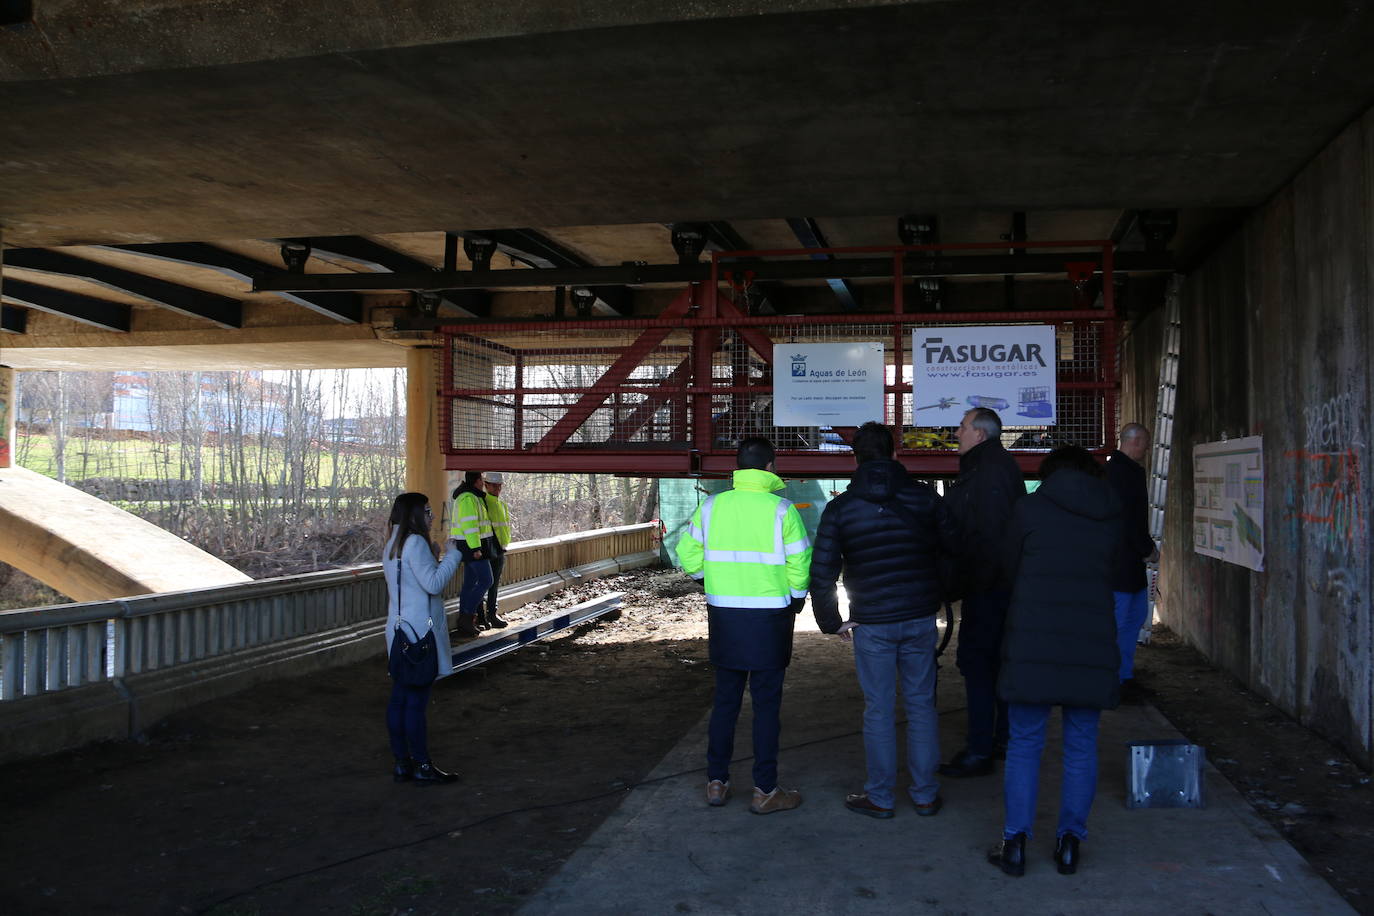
{"points": [[1126, 474], [982, 500]]}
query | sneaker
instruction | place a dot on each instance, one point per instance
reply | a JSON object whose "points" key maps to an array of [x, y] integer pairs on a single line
{"points": [[717, 792], [779, 799], [862, 804]]}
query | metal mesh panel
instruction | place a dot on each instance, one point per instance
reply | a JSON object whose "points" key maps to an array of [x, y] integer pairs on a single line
{"points": [[580, 389]]}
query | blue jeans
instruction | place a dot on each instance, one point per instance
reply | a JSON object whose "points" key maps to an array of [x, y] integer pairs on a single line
{"points": [[497, 563], [979, 657], [1022, 777], [765, 688], [405, 722], [889, 656], [476, 581], [1131, 608]]}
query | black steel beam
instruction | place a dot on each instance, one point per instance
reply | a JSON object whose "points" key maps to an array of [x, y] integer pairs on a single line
{"points": [[974, 265], [379, 258], [536, 249], [722, 237], [185, 300], [339, 306], [100, 313], [13, 320], [809, 234]]}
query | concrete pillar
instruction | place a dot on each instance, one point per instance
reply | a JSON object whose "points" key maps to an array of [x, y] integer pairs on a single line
{"points": [[8, 408], [424, 460]]}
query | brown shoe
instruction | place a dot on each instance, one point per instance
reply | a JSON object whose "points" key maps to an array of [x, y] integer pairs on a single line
{"points": [[717, 792], [930, 808], [779, 799], [862, 804]]}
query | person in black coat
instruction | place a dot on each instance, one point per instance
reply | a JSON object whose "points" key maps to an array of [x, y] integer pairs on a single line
{"points": [[887, 533], [1126, 474], [1059, 648], [982, 499]]}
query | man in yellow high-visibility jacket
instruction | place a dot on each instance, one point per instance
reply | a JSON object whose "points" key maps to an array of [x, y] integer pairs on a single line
{"points": [[499, 517], [472, 532], [749, 547]]}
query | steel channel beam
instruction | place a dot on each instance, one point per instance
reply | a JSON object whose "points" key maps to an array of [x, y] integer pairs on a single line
{"points": [[378, 258], [333, 304], [541, 252], [809, 234], [486, 648], [99, 313], [185, 300], [13, 320], [973, 265]]}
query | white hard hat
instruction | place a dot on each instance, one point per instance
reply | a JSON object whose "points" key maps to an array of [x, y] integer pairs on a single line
{"points": [[492, 477]]}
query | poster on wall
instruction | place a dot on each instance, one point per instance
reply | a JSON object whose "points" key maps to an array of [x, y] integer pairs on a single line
{"points": [[827, 384], [1228, 501], [1008, 368]]}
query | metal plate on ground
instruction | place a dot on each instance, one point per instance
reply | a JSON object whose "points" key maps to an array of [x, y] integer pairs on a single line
{"points": [[1164, 774]]}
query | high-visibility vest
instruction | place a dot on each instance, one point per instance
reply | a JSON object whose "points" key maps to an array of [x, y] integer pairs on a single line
{"points": [[748, 545], [470, 521], [500, 519]]}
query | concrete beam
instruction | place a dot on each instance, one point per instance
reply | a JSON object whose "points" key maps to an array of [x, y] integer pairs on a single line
{"points": [[89, 550]]}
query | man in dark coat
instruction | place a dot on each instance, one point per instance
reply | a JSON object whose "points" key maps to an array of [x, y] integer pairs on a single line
{"points": [[1126, 474], [887, 534], [982, 500], [1060, 645]]}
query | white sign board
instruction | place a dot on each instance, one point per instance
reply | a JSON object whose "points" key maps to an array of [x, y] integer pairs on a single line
{"points": [[1228, 501], [1008, 368], [828, 384]]}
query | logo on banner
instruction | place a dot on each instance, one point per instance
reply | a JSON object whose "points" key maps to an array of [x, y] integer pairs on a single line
{"points": [[937, 351], [799, 365]]}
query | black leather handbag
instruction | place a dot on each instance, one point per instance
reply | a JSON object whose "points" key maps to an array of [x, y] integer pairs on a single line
{"points": [[413, 662]]}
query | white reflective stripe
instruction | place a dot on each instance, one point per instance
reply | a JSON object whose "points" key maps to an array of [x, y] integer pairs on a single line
{"points": [[797, 547], [798, 594], [748, 601], [468, 518], [705, 519], [500, 524], [745, 556], [697, 534], [699, 576]]}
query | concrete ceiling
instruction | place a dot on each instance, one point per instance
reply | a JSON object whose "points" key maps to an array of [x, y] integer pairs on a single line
{"points": [[193, 120]]}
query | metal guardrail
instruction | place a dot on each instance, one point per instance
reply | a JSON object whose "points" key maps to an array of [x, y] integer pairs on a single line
{"points": [[503, 642], [43, 650]]}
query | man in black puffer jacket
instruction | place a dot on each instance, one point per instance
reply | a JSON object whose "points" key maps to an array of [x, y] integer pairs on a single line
{"points": [[887, 533]]}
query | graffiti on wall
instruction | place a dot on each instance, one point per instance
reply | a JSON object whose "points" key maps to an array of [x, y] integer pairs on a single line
{"points": [[7, 407], [1330, 502]]}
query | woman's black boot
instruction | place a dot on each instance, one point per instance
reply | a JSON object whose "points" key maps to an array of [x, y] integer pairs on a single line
{"points": [[427, 774], [1011, 856], [404, 770], [1066, 854]]}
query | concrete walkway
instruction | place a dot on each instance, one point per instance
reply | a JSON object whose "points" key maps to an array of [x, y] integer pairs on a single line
{"points": [[665, 851]]}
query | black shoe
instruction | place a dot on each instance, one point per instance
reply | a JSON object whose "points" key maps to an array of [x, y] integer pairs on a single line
{"points": [[1011, 856], [427, 774], [495, 622], [965, 764], [467, 626], [1066, 854], [404, 770]]}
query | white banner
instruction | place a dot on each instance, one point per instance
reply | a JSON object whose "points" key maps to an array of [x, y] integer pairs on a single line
{"points": [[1228, 501], [829, 384], [1005, 368]]}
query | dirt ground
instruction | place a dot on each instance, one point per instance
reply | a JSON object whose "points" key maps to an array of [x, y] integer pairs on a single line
{"points": [[279, 799]]}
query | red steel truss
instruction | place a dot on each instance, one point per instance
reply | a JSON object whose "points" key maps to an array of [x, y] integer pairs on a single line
{"points": [[672, 395]]}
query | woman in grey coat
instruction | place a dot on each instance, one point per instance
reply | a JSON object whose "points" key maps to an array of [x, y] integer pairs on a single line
{"points": [[415, 581]]}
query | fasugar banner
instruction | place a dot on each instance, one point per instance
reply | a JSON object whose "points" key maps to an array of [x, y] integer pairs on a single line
{"points": [[1008, 368]]}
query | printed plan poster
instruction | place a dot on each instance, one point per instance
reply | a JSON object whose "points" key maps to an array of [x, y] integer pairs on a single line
{"points": [[1008, 368], [829, 384], [1228, 501]]}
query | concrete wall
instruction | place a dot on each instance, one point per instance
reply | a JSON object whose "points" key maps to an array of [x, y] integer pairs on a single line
{"points": [[1277, 332]]}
